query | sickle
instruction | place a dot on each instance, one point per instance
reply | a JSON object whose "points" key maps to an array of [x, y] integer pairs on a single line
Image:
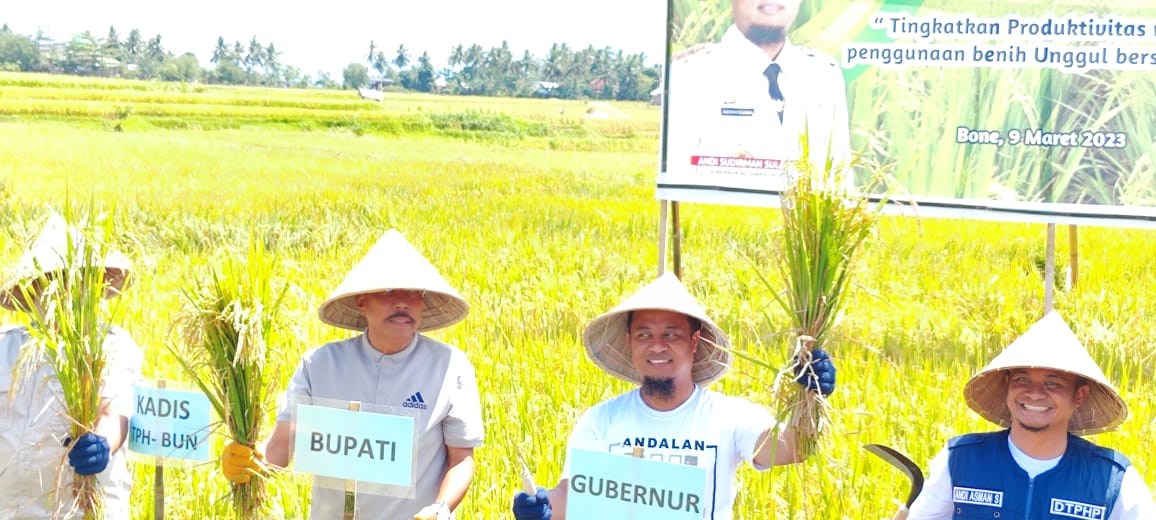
{"points": [[905, 465]]}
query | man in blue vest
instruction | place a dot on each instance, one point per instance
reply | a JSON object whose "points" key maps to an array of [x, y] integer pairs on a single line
{"points": [[1047, 391]]}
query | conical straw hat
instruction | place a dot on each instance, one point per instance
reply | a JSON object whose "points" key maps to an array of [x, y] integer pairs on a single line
{"points": [[1051, 344], [48, 254], [392, 263], [607, 346]]}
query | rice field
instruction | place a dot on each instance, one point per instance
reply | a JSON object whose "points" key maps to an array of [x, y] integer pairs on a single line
{"points": [[543, 219]]}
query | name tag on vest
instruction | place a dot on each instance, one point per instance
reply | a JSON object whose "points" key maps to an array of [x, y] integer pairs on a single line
{"points": [[979, 497], [1073, 509]]}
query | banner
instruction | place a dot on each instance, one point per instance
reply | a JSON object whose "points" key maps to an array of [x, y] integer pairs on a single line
{"points": [[170, 423], [1030, 110], [607, 485]]}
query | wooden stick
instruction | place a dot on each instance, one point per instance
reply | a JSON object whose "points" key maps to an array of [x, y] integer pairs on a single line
{"points": [[637, 452], [351, 485], [1050, 270], [662, 211], [1073, 256], [676, 239], [159, 479]]}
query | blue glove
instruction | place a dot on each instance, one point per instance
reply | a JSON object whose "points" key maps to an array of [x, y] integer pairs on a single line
{"points": [[819, 374], [535, 507], [89, 454]]}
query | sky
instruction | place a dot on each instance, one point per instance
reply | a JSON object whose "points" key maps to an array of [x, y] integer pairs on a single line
{"points": [[329, 36]]}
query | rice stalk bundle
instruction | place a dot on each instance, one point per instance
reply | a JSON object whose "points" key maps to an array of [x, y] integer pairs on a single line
{"points": [[69, 319], [232, 319], [824, 227]]}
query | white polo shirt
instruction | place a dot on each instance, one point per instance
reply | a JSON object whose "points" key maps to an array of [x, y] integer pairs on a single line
{"points": [[33, 425], [429, 377]]}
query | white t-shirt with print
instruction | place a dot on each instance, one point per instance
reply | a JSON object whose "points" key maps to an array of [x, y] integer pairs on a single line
{"points": [[710, 430]]}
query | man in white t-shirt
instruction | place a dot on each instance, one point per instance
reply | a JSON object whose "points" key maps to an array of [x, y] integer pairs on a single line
{"points": [[662, 339], [1047, 391], [392, 295], [35, 483]]}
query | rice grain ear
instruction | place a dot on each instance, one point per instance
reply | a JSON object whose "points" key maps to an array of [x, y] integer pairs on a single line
{"points": [[233, 321], [68, 321]]}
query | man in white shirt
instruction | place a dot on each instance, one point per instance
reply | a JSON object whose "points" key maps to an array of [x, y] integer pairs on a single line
{"points": [[756, 95], [662, 340], [1047, 391], [34, 484]]}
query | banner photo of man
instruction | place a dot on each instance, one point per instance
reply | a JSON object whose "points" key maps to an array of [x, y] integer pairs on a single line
{"points": [[1029, 110]]}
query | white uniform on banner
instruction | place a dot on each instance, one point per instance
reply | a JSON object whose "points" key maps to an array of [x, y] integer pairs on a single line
{"points": [[720, 106], [710, 430], [428, 376], [33, 426]]}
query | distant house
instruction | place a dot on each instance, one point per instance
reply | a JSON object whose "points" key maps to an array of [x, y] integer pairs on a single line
{"points": [[546, 89], [656, 96], [380, 83], [598, 85]]}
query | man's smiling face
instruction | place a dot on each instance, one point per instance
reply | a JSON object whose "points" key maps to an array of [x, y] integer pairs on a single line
{"points": [[1043, 399]]}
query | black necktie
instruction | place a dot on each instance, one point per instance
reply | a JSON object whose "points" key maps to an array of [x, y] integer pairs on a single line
{"points": [[772, 74]]}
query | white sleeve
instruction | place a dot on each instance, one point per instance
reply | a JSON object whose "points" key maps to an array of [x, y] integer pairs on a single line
{"points": [[585, 436], [754, 421], [122, 372], [1134, 501], [463, 427], [934, 502]]}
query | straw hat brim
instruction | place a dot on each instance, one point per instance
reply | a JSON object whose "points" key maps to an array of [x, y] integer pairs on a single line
{"points": [[605, 338], [439, 310], [1102, 410], [117, 271], [607, 345], [394, 264]]}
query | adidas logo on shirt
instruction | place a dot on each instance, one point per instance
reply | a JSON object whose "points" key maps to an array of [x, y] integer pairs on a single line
{"points": [[414, 401]]}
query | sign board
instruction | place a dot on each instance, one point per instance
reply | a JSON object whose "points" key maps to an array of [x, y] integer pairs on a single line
{"points": [[606, 485], [354, 445], [1033, 110], [170, 423]]}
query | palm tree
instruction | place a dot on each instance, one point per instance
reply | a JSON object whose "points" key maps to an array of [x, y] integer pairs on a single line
{"points": [[220, 52], [272, 63], [256, 56], [457, 55], [380, 63], [154, 50], [369, 59], [402, 58], [133, 45]]}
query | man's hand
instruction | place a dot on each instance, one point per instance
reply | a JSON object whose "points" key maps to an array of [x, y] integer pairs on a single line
{"points": [[819, 374], [535, 507], [240, 463], [438, 511], [89, 454]]}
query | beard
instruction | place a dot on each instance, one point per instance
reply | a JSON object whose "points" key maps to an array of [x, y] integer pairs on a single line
{"points": [[1033, 429], [766, 35], [658, 388]]}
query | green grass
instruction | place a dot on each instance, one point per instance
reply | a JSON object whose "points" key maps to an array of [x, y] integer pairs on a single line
{"points": [[541, 234]]}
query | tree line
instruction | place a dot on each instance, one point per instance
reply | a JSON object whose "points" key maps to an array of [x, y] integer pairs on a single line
{"points": [[591, 73]]}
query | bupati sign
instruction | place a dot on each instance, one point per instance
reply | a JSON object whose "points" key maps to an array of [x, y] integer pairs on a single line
{"points": [[354, 445]]}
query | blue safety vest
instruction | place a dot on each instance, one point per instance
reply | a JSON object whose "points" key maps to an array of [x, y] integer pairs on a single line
{"points": [[987, 483]]}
